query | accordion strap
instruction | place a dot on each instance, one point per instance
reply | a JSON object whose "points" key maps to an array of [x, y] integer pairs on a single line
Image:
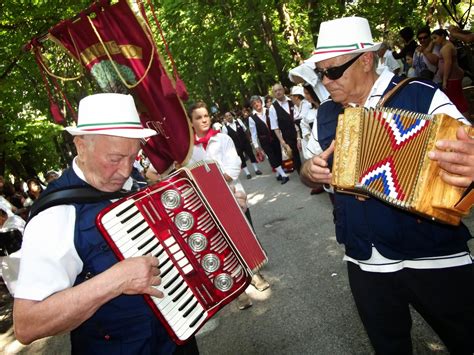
{"points": [[391, 93], [75, 194]]}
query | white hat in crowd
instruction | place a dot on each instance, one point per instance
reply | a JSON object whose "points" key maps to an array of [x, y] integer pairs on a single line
{"points": [[297, 90], [109, 114], [341, 36]]}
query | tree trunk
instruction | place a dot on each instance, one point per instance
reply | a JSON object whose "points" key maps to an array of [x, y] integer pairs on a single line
{"points": [[288, 31], [270, 41]]}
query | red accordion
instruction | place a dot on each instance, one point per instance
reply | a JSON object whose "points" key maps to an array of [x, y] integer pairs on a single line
{"points": [[206, 248]]}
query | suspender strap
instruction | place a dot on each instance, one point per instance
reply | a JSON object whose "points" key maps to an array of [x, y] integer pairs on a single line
{"points": [[391, 93], [75, 194]]}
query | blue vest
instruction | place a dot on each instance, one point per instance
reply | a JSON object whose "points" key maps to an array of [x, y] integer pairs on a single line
{"points": [[124, 325], [395, 233]]}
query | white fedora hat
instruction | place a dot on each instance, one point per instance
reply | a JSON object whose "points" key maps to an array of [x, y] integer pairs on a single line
{"points": [[109, 114], [341, 36], [297, 90]]}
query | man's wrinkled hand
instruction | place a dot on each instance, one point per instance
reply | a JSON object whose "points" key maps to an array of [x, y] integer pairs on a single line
{"points": [[137, 275], [316, 169], [456, 158]]}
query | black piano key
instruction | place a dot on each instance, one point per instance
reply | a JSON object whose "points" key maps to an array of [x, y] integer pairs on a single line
{"points": [[179, 295], [170, 282], [144, 244], [136, 226], [125, 210], [126, 219], [174, 289], [193, 323], [140, 233], [160, 252], [185, 304], [150, 250], [163, 273], [190, 309], [163, 263]]}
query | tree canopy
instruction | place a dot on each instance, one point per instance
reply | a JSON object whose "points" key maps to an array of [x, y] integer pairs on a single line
{"points": [[225, 51]]}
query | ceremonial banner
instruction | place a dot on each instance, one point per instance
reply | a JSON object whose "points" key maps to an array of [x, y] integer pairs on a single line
{"points": [[116, 46]]}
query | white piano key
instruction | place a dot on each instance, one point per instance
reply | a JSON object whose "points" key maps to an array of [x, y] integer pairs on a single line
{"points": [[186, 333], [174, 248], [112, 214], [187, 269], [170, 241], [182, 326]]}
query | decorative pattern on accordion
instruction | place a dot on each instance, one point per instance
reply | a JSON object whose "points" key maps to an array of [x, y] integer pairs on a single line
{"points": [[383, 153], [200, 269], [392, 170]]}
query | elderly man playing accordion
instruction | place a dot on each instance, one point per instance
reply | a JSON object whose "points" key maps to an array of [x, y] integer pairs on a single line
{"points": [[70, 280], [395, 258]]}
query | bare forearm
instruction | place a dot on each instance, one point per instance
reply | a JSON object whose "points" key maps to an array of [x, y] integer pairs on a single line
{"points": [[62, 311], [280, 136]]}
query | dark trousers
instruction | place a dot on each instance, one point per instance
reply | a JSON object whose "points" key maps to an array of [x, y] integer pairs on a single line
{"points": [[273, 151], [443, 297], [190, 348], [246, 150], [296, 154]]}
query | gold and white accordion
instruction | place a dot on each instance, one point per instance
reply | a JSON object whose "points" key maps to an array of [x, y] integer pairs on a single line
{"points": [[383, 153], [206, 248]]}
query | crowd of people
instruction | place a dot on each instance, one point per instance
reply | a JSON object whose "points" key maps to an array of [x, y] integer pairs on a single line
{"points": [[402, 259]]}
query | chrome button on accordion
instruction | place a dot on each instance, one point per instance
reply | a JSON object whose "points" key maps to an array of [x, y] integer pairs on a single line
{"points": [[384, 153], [206, 249]]}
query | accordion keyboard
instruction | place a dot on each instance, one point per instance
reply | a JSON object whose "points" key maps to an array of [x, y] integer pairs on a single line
{"points": [[134, 237]]}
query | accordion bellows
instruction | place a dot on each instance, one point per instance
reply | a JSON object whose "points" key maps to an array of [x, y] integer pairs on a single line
{"points": [[383, 153]]}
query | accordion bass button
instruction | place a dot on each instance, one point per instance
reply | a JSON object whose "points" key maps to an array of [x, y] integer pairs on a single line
{"points": [[223, 282], [184, 221], [197, 242], [171, 199]]}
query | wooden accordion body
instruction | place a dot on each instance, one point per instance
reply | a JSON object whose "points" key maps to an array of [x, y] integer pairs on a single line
{"points": [[206, 248], [383, 153]]}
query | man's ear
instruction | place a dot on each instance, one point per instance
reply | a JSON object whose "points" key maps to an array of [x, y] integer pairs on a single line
{"points": [[80, 144], [367, 59]]}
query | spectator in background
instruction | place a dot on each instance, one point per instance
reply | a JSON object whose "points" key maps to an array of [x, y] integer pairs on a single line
{"points": [[281, 121], [236, 130], [386, 60], [264, 139], [410, 70], [426, 56], [461, 35], [410, 45], [449, 71], [268, 101], [51, 175], [34, 190], [302, 106]]}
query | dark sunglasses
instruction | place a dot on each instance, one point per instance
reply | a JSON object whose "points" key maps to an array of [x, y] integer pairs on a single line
{"points": [[422, 38], [335, 73]]}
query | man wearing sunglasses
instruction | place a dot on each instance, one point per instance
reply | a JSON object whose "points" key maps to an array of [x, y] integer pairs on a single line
{"points": [[395, 259]]}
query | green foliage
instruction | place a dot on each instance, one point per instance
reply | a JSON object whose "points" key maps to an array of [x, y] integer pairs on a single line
{"points": [[225, 51]]}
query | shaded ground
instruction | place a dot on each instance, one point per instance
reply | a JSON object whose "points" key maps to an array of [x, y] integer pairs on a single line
{"points": [[308, 309]]}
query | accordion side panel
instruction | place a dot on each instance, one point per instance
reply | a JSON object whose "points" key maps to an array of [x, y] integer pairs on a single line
{"points": [[346, 150], [434, 197], [212, 184]]}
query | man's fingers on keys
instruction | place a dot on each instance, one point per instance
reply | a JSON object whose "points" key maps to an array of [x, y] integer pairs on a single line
{"points": [[153, 291]]}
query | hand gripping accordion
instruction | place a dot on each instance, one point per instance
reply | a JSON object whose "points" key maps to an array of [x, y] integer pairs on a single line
{"points": [[384, 153], [205, 246]]}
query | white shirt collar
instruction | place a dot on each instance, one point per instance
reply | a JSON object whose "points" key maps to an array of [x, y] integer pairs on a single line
{"points": [[378, 89], [80, 174]]}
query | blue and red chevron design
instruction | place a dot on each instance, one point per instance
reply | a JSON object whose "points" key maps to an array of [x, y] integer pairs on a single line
{"points": [[384, 170], [399, 134]]}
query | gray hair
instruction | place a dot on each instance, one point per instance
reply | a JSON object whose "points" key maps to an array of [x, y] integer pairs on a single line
{"points": [[255, 98]]}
